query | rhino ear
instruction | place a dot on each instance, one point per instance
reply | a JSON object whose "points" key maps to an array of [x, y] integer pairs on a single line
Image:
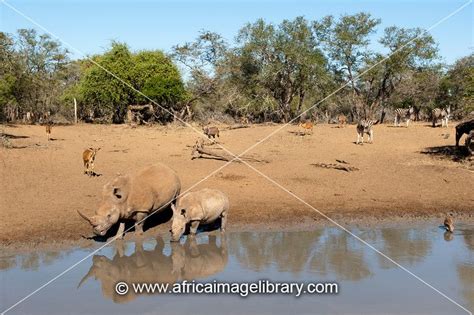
{"points": [[117, 192]]}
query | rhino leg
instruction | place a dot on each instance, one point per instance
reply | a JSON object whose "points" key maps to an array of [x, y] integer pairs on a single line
{"points": [[223, 221], [120, 249], [140, 220], [120, 231], [194, 227]]}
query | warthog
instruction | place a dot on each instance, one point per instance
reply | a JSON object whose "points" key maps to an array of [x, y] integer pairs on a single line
{"points": [[203, 206], [135, 197], [211, 131]]}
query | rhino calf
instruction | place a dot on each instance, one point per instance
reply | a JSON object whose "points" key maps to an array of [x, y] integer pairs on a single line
{"points": [[203, 206], [134, 197]]}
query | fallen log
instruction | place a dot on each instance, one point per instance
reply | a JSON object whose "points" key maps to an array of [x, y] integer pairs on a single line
{"points": [[336, 166], [238, 126], [200, 151]]}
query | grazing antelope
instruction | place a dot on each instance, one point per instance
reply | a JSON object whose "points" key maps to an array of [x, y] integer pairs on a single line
{"points": [[211, 131], [88, 156], [403, 113], [49, 128], [449, 223], [342, 119], [443, 114], [307, 126], [365, 127]]}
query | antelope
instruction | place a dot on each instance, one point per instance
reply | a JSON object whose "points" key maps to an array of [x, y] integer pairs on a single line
{"points": [[88, 156], [307, 126], [49, 127], [449, 223], [342, 120], [244, 120]]}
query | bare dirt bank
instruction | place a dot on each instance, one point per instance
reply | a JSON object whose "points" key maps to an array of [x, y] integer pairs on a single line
{"points": [[42, 184]]}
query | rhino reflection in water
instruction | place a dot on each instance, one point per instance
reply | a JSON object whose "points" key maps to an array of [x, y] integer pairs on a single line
{"points": [[187, 261]]}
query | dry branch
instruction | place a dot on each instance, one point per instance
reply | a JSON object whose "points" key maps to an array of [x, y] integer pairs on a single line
{"points": [[200, 151], [336, 166], [238, 126]]}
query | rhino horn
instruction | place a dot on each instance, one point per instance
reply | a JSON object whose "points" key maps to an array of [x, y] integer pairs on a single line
{"points": [[87, 276], [84, 217]]}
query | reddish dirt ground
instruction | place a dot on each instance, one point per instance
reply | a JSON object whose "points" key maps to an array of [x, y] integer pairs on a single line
{"points": [[43, 182]]}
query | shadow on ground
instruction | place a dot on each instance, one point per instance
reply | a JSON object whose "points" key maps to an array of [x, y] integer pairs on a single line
{"points": [[457, 154], [10, 136]]}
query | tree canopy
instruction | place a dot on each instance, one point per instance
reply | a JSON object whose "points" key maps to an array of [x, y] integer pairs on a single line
{"points": [[120, 78], [270, 72]]}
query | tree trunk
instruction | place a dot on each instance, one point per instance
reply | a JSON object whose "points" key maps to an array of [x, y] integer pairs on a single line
{"points": [[300, 101], [382, 115]]}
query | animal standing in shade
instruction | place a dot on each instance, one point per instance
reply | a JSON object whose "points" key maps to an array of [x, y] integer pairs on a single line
{"points": [[449, 223], [463, 128]]}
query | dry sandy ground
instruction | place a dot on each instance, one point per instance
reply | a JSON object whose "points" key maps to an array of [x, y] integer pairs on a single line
{"points": [[43, 183]]}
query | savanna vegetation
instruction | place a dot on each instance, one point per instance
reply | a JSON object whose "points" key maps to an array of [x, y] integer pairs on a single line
{"points": [[270, 72]]}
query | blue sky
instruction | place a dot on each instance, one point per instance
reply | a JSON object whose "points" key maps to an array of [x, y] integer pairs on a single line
{"points": [[91, 25]]}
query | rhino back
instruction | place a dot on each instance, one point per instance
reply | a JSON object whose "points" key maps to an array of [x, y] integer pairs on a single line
{"points": [[213, 203], [153, 187], [210, 261]]}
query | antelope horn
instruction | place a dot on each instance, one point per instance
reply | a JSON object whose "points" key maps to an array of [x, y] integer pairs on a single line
{"points": [[84, 217]]}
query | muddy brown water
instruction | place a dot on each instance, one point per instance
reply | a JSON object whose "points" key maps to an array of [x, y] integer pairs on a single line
{"points": [[367, 282]]}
